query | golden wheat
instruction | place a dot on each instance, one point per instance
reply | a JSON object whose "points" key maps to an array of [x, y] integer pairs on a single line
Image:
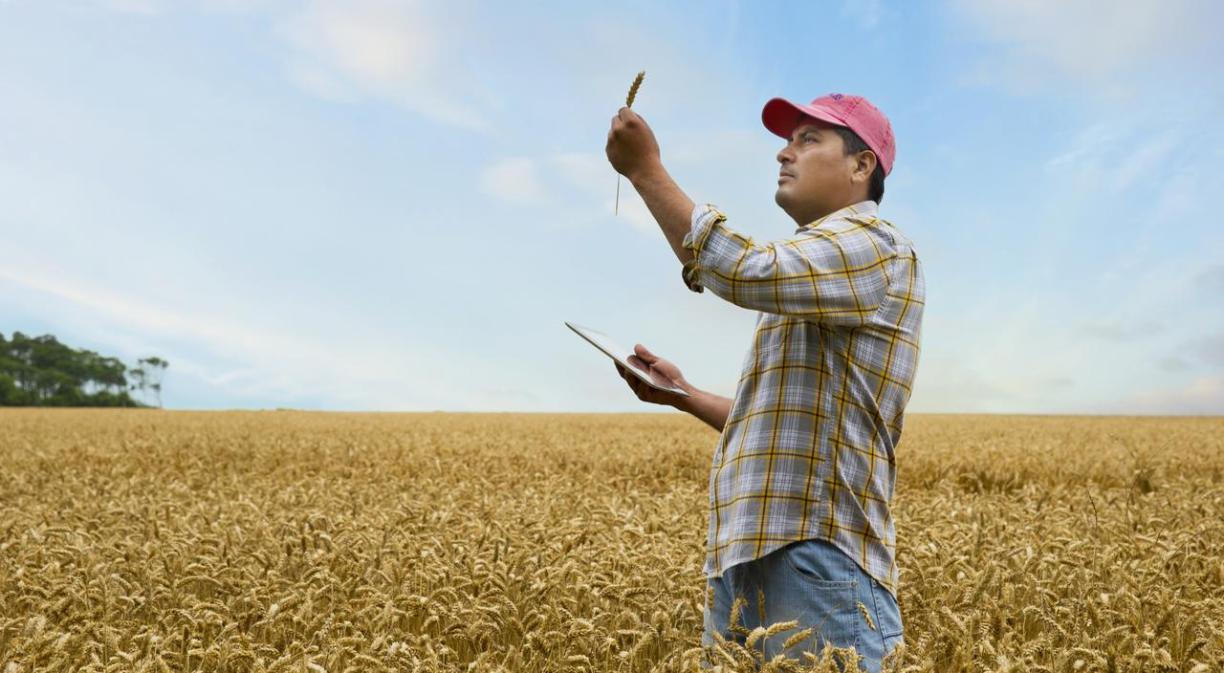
{"points": [[633, 88], [251, 541]]}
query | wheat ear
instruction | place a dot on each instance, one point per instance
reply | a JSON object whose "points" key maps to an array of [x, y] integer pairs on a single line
{"points": [[637, 82]]}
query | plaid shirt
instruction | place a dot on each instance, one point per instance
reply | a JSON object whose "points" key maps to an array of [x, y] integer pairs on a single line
{"points": [[808, 450]]}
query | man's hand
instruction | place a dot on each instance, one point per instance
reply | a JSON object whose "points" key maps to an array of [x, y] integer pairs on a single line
{"points": [[634, 153], [659, 369], [632, 148]]}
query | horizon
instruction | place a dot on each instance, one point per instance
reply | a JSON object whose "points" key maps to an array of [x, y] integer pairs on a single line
{"points": [[654, 411]]}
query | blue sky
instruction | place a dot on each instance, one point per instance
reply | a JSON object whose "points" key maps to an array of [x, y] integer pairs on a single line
{"points": [[377, 205]]}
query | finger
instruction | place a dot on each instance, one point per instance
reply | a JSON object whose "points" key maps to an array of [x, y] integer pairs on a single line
{"points": [[635, 385], [644, 353], [637, 362]]}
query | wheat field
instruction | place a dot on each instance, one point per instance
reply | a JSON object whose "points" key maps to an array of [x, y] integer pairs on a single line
{"points": [[292, 541]]}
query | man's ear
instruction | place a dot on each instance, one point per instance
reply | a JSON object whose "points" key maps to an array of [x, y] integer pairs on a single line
{"points": [[864, 164]]}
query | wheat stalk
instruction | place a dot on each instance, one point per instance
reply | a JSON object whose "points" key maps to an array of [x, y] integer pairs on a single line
{"points": [[633, 89]]}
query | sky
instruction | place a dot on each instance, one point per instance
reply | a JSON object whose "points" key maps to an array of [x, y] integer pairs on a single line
{"points": [[395, 205]]}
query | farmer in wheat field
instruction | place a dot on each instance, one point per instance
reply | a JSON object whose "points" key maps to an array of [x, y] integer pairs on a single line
{"points": [[802, 478]]}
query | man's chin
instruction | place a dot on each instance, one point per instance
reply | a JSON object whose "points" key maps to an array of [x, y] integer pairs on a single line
{"points": [[782, 197]]}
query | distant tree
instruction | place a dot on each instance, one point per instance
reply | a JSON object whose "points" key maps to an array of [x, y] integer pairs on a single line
{"points": [[148, 376], [41, 371], [140, 380], [157, 371]]}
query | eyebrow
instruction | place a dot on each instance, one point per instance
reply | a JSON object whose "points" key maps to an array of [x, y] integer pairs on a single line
{"points": [[806, 128]]}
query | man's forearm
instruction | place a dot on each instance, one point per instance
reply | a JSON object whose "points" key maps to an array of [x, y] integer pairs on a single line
{"points": [[669, 205], [708, 407]]}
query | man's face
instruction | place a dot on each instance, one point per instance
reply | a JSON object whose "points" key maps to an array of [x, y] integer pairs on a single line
{"points": [[815, 176]]}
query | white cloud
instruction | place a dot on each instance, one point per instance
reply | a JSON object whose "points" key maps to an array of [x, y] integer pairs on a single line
{"points": [[1203, 395], [593, 178], [630, 206], [945, 382], [252, 361], [514, 180], [1117, 154], [400, 51], [397, 51], [584, 170], [1210, 349], [1087, 41], [576, 179]]}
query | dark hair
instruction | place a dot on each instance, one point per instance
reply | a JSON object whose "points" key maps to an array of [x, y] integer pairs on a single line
{"points": [[854, 144]]}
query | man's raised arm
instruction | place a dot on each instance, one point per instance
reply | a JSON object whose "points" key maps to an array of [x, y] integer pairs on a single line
{"points": [[634, 153], [836, 278]]}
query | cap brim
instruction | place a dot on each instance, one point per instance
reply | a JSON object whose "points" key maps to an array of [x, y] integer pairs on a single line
{"points": [[781, 116]]}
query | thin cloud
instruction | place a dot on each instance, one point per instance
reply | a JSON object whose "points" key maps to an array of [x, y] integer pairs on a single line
{"points": [[514, 180], [1204, 395], [1211, 281], [576, 179], [392, 51], [1173, 363], [1087, 43], [271, 364], [948, 382], [1119, 154], [1121, 331], [868, 13], [1209, 350], [594, 180]]}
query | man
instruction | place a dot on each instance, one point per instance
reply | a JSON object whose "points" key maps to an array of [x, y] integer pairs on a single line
{"points": [[803, 474]]}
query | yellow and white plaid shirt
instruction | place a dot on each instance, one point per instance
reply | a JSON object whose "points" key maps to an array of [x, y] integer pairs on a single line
{"points": [[808, 450]]}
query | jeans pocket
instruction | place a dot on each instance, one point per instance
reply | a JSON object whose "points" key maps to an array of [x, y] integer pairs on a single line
{"points": [[824, 594], [819, 564]]}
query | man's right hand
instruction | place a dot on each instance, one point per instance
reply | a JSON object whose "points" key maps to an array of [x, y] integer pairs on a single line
{"points": [[659, 368]]}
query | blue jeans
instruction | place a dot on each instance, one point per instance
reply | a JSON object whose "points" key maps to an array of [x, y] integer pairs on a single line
{"points": [[817, 584]]}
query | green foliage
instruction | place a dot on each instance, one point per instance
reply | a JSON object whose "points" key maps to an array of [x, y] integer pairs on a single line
{"points": [[42, 372], [148, 376]]}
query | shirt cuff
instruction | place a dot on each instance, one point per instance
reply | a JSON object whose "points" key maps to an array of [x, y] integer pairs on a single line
{"points": [[704, 217]]}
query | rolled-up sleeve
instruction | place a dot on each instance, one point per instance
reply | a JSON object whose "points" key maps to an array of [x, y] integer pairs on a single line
{"points": [[835, 277]]}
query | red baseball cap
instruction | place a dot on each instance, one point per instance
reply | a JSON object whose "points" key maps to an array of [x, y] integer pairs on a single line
{"points": [[854, 112]]}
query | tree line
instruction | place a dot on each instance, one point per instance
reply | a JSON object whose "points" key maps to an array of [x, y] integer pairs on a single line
{"points": [[42, 372]]}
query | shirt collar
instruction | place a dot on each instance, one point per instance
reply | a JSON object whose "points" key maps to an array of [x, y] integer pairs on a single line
{"points": [[867, 208]]}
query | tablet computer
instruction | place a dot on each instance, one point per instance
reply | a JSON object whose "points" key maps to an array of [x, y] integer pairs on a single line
{"points": [[621, 354]]}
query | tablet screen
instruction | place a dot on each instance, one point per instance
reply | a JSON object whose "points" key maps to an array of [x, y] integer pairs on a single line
{"points": [[621, 354]]}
